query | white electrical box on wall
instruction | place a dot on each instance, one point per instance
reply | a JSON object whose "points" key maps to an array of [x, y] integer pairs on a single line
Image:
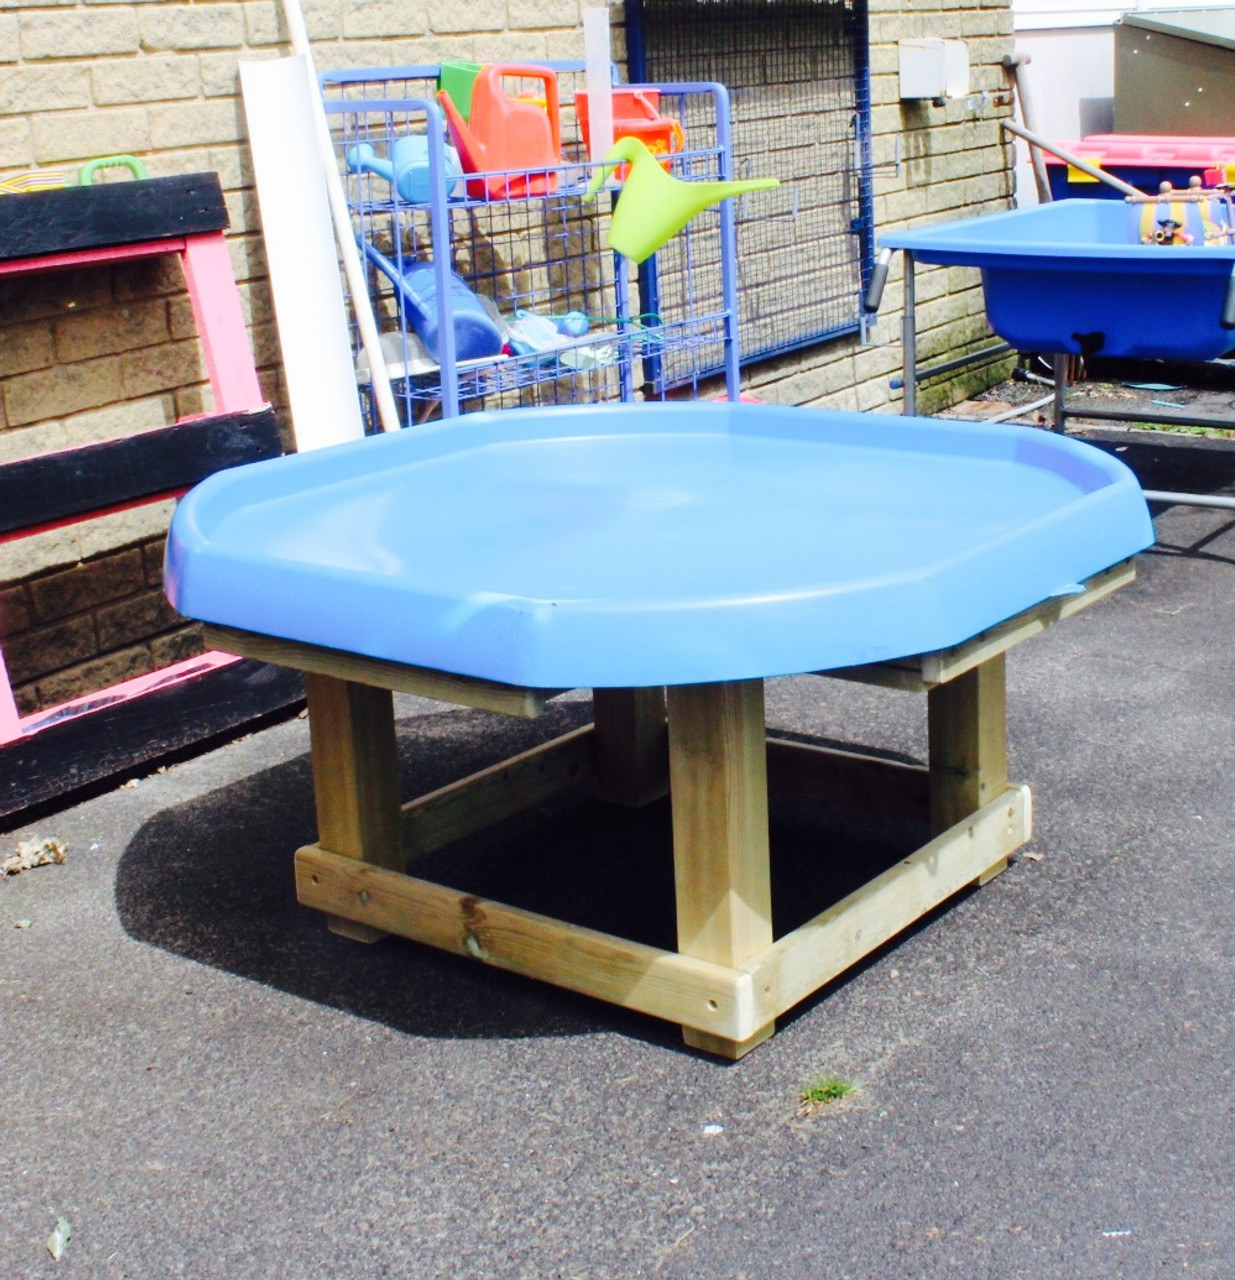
{"points": [[933, 68]]}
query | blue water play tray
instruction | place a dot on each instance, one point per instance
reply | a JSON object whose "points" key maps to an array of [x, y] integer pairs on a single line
{"points": [[650, 544], [1066, 277]]}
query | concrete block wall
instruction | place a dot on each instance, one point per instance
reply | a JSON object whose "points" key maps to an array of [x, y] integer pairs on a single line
{"points": [[93, 354]]}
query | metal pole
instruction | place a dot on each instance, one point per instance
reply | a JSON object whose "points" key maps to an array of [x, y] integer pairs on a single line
{"points": [[1013, 62], [1075, 161], [1189, 499], [1059, 366], [909, 343]]}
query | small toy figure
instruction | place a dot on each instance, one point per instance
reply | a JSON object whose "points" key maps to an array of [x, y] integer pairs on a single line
{"points": [[1168, 231]]}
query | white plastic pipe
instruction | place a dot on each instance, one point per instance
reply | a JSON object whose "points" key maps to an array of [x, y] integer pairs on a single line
{"points": [[318, 365], [353, 269], [599, 81]]}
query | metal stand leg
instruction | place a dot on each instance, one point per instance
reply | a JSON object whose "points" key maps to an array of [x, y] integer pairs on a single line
{"points": [[1059, 364], [909, 342]]}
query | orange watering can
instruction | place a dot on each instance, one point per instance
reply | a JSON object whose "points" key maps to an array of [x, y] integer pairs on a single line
{"points": [[636, 114], [508, 133]]}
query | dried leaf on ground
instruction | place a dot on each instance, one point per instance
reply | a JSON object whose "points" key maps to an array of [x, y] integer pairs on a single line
{"points": [[58, 1241], [32, 853]]}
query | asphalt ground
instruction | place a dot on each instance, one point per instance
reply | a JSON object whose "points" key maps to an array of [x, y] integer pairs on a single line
{"points": [[204, 1082]]}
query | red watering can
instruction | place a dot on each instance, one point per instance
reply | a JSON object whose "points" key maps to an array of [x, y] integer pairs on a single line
{"points": [[508, 133]]}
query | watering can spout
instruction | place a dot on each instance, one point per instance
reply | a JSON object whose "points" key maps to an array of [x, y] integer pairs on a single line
{"points": [[654, 205]]}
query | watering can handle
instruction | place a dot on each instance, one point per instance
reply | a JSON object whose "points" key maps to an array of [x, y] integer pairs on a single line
{"points": [[547, 76]]}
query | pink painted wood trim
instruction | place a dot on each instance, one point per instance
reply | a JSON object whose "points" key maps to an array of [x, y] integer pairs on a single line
{"points": [[220, 323], [10, 721], [91, 257], [125, 690]]}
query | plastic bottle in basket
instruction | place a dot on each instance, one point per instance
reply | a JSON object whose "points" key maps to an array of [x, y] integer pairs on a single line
{"points": [[476, 334]]}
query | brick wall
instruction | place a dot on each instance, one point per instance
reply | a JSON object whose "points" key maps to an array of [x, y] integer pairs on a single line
{"points": [[86, 355]]}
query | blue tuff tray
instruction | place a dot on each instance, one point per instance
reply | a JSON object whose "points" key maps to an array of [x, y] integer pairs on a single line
{"points": [[632, 545], [1065, 277]]}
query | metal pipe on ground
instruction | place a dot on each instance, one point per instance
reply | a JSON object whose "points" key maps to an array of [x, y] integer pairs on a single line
{"points": [[950, 366], [1189, 499]]}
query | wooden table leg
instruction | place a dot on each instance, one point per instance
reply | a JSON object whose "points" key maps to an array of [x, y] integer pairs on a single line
{"points": [[631, 740], [718, 776], [968, 730], [355, 779]]}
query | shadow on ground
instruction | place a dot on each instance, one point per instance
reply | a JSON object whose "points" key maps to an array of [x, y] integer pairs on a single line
{"points": [[211, 880]]}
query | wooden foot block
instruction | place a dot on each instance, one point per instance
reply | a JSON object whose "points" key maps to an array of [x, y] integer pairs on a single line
{"points": [[991, 872], [354, 932], [722, 1048]]}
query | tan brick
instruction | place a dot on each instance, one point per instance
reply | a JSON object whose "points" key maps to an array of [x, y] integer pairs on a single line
{"points": [[116, 420], [38, 296], [32, 397], [72, 136], [177, 646], [10, 38], [196, 124], [523, 46], [20, 443], [437, 48], [148, 79], [86, 585], [256, 302], [152, 561], [364, 18], [540, 14], [220, 73], [191, 401], [137, 618], [139, 280], [40, 650], [25, 347], [184, 26], [125, 528], [88, 33], [94, 677], [482, 15], [117, 329], [262, 24], [28, 90], [232, 164], [16, 146], [265, 342], [14, 610], [27, 699], [152, 369]]}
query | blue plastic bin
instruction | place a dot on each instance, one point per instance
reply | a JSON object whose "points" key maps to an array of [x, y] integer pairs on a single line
{"points": [[1064, 277]]}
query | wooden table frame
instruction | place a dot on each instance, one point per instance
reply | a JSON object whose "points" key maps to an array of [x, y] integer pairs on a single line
{"points": [[705, 744]]}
